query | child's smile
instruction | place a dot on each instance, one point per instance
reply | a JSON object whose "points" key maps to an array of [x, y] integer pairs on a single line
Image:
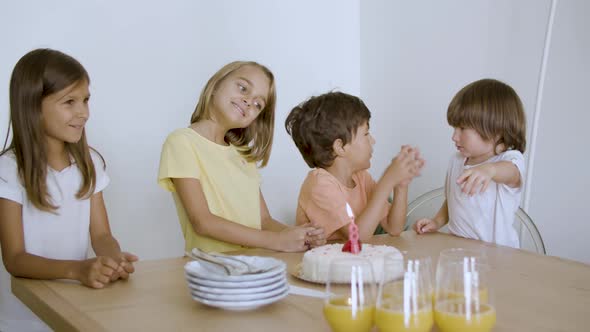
{"points": [[242, 93], [65, 113], [239, 109]]}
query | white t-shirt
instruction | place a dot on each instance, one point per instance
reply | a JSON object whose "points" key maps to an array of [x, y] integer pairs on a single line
{"points": [[487, 216], [60, 235]]}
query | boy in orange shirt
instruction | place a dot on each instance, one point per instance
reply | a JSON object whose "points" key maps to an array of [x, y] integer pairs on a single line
{"points": [[332, 133]]}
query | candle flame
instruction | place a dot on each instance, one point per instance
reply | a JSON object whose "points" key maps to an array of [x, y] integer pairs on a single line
{"points": [[349, 211]]}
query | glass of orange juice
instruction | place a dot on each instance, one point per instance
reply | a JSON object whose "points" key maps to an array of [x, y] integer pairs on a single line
{"points": [[459, 255], [350, 295], [404, 300], [463, 297]]}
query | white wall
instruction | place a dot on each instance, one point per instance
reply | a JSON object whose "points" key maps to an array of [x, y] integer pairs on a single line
{"points": [[559, 190], [148, 64], [415, 55], [427, 50]]}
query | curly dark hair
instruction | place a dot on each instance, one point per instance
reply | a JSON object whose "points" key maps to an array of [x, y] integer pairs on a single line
{"points": [[319, 121]]}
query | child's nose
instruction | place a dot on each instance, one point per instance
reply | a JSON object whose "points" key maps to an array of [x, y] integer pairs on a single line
{"points": [[246, 101], [83, 111], [455, 136]]}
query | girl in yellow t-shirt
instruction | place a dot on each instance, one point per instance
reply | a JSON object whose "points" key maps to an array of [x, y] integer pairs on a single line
{"points": [[211, 167]]}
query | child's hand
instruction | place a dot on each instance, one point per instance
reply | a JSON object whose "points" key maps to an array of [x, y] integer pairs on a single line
{"points": [[125, 267], [293, 239], [419, 161], [476, 179], [315, 238], [96, 272], [406, 165], [418, 165], [425, 225]]}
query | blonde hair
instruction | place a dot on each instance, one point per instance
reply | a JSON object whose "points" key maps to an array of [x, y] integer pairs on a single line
{"points": [[494, 110], [36, 75], [255, 141]]}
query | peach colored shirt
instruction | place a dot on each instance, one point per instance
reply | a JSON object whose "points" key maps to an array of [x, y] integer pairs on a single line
{"points": [[323, 199]]}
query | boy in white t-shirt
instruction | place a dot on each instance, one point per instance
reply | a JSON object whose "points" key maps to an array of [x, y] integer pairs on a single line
{"points": [[484, 179]]}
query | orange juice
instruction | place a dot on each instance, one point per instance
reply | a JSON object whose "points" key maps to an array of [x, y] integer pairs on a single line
{"points": [[449, 295], [451, 316], [342, 318], [393, 295], [394, 320]]}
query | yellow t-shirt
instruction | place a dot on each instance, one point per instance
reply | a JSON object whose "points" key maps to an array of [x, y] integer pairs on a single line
{"points": [[231, 184]]}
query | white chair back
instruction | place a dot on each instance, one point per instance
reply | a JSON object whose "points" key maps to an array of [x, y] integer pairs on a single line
{"points": [[428, 204]]}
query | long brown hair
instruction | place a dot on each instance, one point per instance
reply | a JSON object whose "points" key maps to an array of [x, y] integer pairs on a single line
{"points": [[493, 109], [36, 75], [255, 141]]}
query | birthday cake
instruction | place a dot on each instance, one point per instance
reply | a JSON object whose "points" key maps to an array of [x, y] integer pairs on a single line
{"points": [[316, 262]]}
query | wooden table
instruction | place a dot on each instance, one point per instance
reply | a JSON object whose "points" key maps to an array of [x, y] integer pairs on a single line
{"points": [[533, 293]]}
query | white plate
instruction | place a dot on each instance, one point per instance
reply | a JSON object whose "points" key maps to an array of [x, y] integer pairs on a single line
{"points": [[235, 284], [211, 271], [281, 288], [236, 291], [244, 305]]}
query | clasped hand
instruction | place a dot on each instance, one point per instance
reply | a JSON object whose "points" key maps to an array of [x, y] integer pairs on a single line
{"points": [[99, 271], [304, 237]]}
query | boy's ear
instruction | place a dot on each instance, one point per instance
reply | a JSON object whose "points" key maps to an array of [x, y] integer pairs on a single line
{"points": [[338, 147]]}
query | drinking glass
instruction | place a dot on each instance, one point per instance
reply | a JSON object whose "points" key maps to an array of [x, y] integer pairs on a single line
{"points": [[463, 292], [404, 300], [350, 295]]}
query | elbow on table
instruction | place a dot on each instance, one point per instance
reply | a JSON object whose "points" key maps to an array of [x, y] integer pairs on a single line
{"points": [[11, 267], [395, 232], [365, 237]]}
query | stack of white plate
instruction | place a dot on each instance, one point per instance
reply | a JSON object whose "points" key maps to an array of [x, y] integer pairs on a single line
{"points": [[211, 285]]}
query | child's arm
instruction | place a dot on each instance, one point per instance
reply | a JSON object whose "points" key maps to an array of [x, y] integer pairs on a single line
{"points": [[205, 223], [103, 242], [396, 218], [92, 272], [313, 239], [432, 225], [479, 177], [368, 220], [402, 168], [267, 222]]}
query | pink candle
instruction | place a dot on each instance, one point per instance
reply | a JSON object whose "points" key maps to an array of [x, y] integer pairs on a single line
{"points": [[353, 232], [353, 237]]}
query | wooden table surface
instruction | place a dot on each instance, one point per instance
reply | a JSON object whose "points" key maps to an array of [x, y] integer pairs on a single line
{"points": [[532, 293]]}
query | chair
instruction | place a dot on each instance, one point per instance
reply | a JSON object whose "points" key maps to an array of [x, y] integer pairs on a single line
{"points": [[428, 204]]}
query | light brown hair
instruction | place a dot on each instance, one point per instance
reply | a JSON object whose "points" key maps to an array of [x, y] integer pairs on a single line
{"points": [[494, 110], [255, 141], [36, 75], [319, 121]]}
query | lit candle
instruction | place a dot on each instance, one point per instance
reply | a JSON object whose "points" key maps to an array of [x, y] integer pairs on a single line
{"points": [[353, 232]]}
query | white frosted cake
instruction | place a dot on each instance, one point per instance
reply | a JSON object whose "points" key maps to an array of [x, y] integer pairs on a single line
{"points": [[315, 263]]}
